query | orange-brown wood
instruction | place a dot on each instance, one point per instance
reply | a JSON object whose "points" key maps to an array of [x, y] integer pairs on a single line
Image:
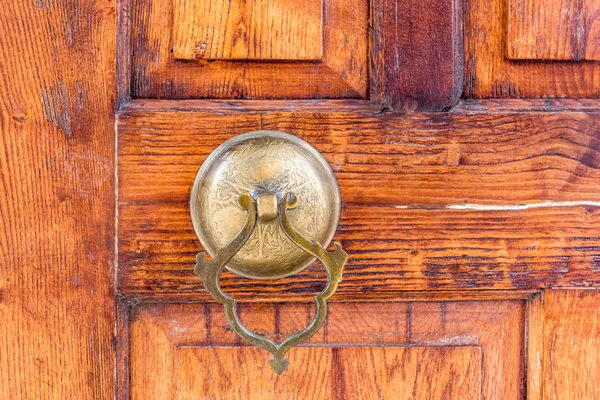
{"points": [[489, 73], [57, 206], [366, 373], [247, 30], [571, 343], [554, 30], [466, 200], [393, 250], [371, 350], [445, 159], [534, 337], [341, 72], [495, 200]]}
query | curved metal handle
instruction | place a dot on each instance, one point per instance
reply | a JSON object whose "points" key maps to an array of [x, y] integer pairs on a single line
{"points": [[210, 272]]}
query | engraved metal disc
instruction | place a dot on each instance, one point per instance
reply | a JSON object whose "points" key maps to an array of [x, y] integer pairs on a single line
{"points": [[265, 162]]}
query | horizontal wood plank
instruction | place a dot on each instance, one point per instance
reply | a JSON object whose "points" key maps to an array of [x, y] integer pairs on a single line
{"points": [[391, 250], [247, 30], [389, 159], [464, 200]]}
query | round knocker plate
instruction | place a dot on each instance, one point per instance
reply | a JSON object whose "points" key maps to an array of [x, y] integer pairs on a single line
{"points": [[261, 163]]}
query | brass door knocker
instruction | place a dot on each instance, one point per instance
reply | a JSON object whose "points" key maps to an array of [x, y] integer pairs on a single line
{"points": [[265, 205]]}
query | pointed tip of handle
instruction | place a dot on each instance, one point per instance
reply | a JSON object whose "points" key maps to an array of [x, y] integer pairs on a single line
{"points": [[279, 365]]}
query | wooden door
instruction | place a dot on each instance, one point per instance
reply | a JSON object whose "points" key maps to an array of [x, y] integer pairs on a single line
{"points": [[464, 135]]}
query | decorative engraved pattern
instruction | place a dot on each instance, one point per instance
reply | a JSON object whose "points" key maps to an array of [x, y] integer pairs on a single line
{"points": [[266, 164]]}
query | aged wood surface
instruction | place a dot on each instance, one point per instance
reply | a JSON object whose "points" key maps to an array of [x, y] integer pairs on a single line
{"points": [[454, 349], [489, 73], [554, 29], [423, 64], [367, 373], [247, 30], [534, 336], [499, 158], [123, 53], [342, 71], [57, 202], [227, 106], [571, 343], [525, 105], [392, 250], [466, 200]]}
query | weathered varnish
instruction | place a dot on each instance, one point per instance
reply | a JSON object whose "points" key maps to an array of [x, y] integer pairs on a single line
{"points": [[57, 203]]}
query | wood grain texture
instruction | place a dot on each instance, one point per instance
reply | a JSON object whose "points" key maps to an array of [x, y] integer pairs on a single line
{"points": [[227, 106], [367, 373], [438, 159], [534, 336], [554, 30], [247, 30], [123, 53], [571, 341], [341, 72], [466, 200], [490, 74], [527, 105], [57, 202], [423, 54], [438, 349]]}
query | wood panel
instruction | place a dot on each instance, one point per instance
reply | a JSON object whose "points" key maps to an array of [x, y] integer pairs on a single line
{"points": [[465, 200], [554, 30], [341, 72], [57, 202], [247, 30], [423, 53], [368, 373], [571, 341], [490, 74], [438, 349]]}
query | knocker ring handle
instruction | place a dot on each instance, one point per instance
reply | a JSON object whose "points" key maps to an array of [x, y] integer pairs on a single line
{"points": [[210, 272], [265, 205]]}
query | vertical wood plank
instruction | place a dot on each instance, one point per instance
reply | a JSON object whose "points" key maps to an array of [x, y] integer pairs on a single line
{"points": [[534, 335], [57, 205], [423, 54], [571, 343]]}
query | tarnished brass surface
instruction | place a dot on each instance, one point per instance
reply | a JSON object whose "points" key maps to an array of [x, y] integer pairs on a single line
{"points": [[265, 205], [263, 164], [210, 272]]}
